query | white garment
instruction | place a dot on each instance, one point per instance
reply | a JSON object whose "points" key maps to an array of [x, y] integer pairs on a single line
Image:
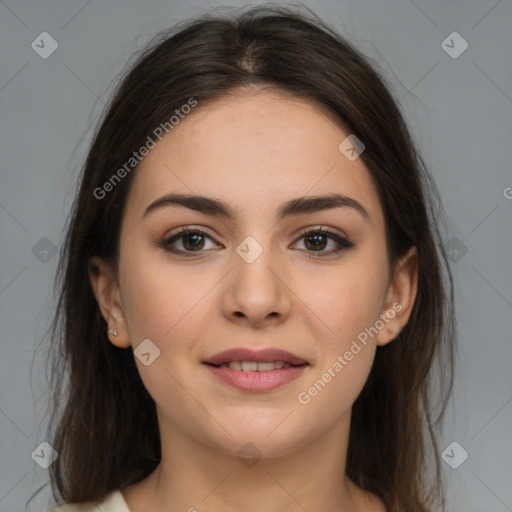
{"points": [[113, 502]]}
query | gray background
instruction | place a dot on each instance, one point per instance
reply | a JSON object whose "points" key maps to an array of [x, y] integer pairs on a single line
{"points": [[459, 110]]}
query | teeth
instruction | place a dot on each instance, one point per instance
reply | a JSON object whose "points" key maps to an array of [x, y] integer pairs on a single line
{"points": [[252, 366], [265, 367], [249, 366]]}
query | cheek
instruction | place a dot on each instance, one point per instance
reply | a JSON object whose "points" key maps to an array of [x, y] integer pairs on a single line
{"points": [[347, 300], [348, 306], [165, 307], [158, 300]]}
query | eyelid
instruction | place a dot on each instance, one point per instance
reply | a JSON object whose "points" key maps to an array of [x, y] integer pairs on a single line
{"points": [[183, 230], [313, 227], [341, 239], [321, 227]]}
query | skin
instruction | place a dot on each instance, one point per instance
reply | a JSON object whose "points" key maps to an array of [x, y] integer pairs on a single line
{"points": [[253, 151]]}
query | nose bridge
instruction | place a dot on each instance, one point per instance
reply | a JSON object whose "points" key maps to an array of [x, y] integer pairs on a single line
{"points": [[256, 288]]}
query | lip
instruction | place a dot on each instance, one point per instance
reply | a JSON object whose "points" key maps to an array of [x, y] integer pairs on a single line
{"points": [[256, 381], [260, 356]]}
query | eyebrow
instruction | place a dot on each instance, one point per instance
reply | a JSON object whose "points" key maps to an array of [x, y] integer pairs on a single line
{"points": [[293, 207]]}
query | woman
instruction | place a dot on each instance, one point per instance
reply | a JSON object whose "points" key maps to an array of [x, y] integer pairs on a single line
{"points": [[254, 290]]}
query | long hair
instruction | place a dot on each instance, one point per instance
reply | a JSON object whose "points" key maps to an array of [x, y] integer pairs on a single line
{"points": [[104, 424]]}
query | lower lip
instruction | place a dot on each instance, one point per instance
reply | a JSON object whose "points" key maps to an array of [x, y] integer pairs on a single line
{"points": [[257, 381]]}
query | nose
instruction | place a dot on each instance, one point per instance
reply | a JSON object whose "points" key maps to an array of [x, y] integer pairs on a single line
{"points": [[256, 293]]}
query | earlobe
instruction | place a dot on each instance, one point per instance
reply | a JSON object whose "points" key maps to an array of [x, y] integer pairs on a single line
{"points": [[400, 297], [105, 288]]}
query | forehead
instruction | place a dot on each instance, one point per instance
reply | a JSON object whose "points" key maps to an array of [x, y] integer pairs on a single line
{"points": [[254, 151]]}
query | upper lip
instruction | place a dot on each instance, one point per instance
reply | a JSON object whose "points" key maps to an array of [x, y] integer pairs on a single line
{"points": [[260, 356]]}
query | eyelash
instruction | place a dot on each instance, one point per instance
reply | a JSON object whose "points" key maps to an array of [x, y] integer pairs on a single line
{"points": [[343, 242]]}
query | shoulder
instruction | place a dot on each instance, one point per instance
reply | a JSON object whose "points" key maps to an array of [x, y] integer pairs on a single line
{"points": [[113, 502]]}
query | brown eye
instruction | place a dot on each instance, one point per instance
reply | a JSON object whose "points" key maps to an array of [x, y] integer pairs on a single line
{"points": [[192, 240], [317, 240]]}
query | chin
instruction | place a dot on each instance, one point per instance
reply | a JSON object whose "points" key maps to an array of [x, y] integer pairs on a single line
{"points": [[267, 437]]}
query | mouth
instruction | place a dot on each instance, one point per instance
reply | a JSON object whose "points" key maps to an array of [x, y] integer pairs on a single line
{"points": [[254, 366], [255, 360], [256, 371]]}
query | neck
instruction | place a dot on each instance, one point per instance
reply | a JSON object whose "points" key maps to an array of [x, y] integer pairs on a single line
{"points": [[193, 476]]}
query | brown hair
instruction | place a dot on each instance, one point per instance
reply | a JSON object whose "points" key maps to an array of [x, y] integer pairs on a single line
{"points": [[103, 444]]}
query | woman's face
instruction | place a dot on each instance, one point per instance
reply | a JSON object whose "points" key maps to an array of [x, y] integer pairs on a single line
{"points": [[254, 281]]}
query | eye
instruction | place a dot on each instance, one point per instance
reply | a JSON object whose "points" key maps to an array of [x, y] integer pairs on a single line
{"points": [[191, 239], [316, 240]]}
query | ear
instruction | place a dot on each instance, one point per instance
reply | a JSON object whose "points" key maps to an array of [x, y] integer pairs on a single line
{"points": [[400, 297], [106, 290]]}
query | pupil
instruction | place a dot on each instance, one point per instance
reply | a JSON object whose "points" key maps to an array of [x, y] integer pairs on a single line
{"points": [[316, 237], [193, 245], [317, 243]]}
